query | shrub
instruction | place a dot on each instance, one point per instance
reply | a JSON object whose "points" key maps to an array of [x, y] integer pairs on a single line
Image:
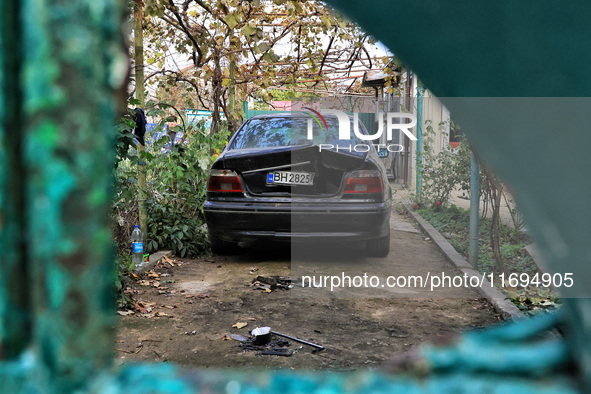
{"points": [[444, 171], [175, 187]]}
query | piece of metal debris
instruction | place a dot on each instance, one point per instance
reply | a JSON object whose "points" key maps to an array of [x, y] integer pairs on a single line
{"points": [[239, 338], [266, 342], [317, 348]]}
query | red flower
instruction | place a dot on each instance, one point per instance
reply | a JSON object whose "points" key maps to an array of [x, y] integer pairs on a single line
{"points": [[438, 203], [415, 207]]}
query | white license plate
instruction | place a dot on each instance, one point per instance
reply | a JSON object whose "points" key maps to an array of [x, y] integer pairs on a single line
{"points": [[290, 178]]}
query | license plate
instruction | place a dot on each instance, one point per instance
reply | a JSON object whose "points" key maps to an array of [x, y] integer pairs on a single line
{"points": [[290, 178]]}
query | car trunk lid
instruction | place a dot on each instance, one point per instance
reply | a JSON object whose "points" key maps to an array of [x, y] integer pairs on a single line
{"points": [[327, 166]]}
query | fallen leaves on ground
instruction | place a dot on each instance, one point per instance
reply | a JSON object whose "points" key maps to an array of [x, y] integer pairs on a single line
{"points": [[125, 313]]}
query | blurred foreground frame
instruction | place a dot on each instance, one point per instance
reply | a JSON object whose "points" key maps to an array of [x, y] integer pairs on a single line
{"points": [[60, 68]]}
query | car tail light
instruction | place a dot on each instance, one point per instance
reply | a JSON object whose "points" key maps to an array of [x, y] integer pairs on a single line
{"points": [[364, 181], [224, 181]]}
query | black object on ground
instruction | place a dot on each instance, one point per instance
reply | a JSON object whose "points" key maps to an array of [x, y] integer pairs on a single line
{"points": [[261, 340], [262, 335], [272, 282]]}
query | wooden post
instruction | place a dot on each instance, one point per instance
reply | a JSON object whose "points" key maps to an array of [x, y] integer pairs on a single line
{"points": [[140, 96]]}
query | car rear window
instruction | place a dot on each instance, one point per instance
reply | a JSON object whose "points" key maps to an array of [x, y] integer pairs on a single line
{"points": [[271, 132]]}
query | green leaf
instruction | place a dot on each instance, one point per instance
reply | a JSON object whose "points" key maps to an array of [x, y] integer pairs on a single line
{"points": [[249, 30], [231, 20], [263, 46]]}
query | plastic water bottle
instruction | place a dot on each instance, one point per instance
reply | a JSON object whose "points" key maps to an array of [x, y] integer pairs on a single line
{"points": [[137, 246]]}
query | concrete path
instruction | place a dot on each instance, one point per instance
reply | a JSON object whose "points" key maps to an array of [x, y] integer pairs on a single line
{"points": [[415, 268]]}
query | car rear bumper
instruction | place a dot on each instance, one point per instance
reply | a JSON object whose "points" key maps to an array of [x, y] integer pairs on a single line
{"points": [[304, 222]]}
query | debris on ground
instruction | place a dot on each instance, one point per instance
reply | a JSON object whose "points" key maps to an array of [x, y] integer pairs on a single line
{"points": [[269, 343], [240, 325], [317, 348], [146, 309], [167, 263], [125, 313], [270, 283]]}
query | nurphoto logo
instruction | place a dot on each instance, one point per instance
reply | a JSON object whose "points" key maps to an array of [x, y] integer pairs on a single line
{"points": [[394, 121]]}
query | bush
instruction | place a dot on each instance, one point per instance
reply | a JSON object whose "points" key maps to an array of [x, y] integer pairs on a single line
{"points": [[175, 188], [444, 171], [124, 267]]}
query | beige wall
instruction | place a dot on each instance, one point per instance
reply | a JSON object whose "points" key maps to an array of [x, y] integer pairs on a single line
{"points": [[435, 111]]}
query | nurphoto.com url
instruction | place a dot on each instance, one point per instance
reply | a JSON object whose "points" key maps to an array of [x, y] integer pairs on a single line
{"points": [[437, 281]]}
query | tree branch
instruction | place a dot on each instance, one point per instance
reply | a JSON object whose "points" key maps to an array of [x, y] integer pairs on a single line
{"points": [[173, 9]]}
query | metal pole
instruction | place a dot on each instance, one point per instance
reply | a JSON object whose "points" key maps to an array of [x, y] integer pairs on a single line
{"points": [[474, 208], [245, 109], [139, 95], [419, 186]]}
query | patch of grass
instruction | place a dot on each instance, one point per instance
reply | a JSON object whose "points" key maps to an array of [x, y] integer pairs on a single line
{"points": [[456, 222]]}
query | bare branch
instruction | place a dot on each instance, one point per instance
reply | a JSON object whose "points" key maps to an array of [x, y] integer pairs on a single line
{"points": [[196, 59]]}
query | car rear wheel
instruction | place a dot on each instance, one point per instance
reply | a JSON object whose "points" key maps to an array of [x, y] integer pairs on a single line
{"points": [[221, 247], [379, 247]]}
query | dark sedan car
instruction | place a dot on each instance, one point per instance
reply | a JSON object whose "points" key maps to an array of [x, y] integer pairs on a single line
{"points": [[275, 182]]}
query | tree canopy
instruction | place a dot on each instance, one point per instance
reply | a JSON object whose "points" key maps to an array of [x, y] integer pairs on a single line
{"points": [[203, 53]]}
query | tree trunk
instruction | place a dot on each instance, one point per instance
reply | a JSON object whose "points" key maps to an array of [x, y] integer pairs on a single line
{"points": [[495, 240], [216, 90], [496, 193]]}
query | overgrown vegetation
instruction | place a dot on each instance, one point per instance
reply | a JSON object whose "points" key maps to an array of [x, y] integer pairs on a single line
{"points": [[501, 248], [446, 170], [449, 170], [454, 224], [123, 270], [175, 187], [249, 49]]}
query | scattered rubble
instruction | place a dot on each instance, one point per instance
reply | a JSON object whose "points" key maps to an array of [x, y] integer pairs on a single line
{"points": [[271, 283], [269, 343]]}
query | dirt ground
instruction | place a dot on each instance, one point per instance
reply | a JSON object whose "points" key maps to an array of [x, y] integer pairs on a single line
{"points": [[196, 303]]}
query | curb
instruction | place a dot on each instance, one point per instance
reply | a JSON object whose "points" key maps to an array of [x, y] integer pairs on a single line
{"points": [[498, 300], [153, 260]]}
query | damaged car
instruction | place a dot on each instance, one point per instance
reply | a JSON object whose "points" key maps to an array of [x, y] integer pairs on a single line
{"points": [[288, 177]]}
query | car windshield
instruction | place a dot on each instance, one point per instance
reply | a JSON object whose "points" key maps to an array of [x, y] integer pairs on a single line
{"points": [[283, 131]]}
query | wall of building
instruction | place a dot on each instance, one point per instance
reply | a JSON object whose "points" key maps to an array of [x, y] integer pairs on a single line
{"points": [[435, 112]]}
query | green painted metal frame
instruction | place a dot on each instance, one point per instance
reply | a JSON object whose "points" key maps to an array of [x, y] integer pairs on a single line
{"points": [[60, 63], [474, 208], [419, 160]]}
